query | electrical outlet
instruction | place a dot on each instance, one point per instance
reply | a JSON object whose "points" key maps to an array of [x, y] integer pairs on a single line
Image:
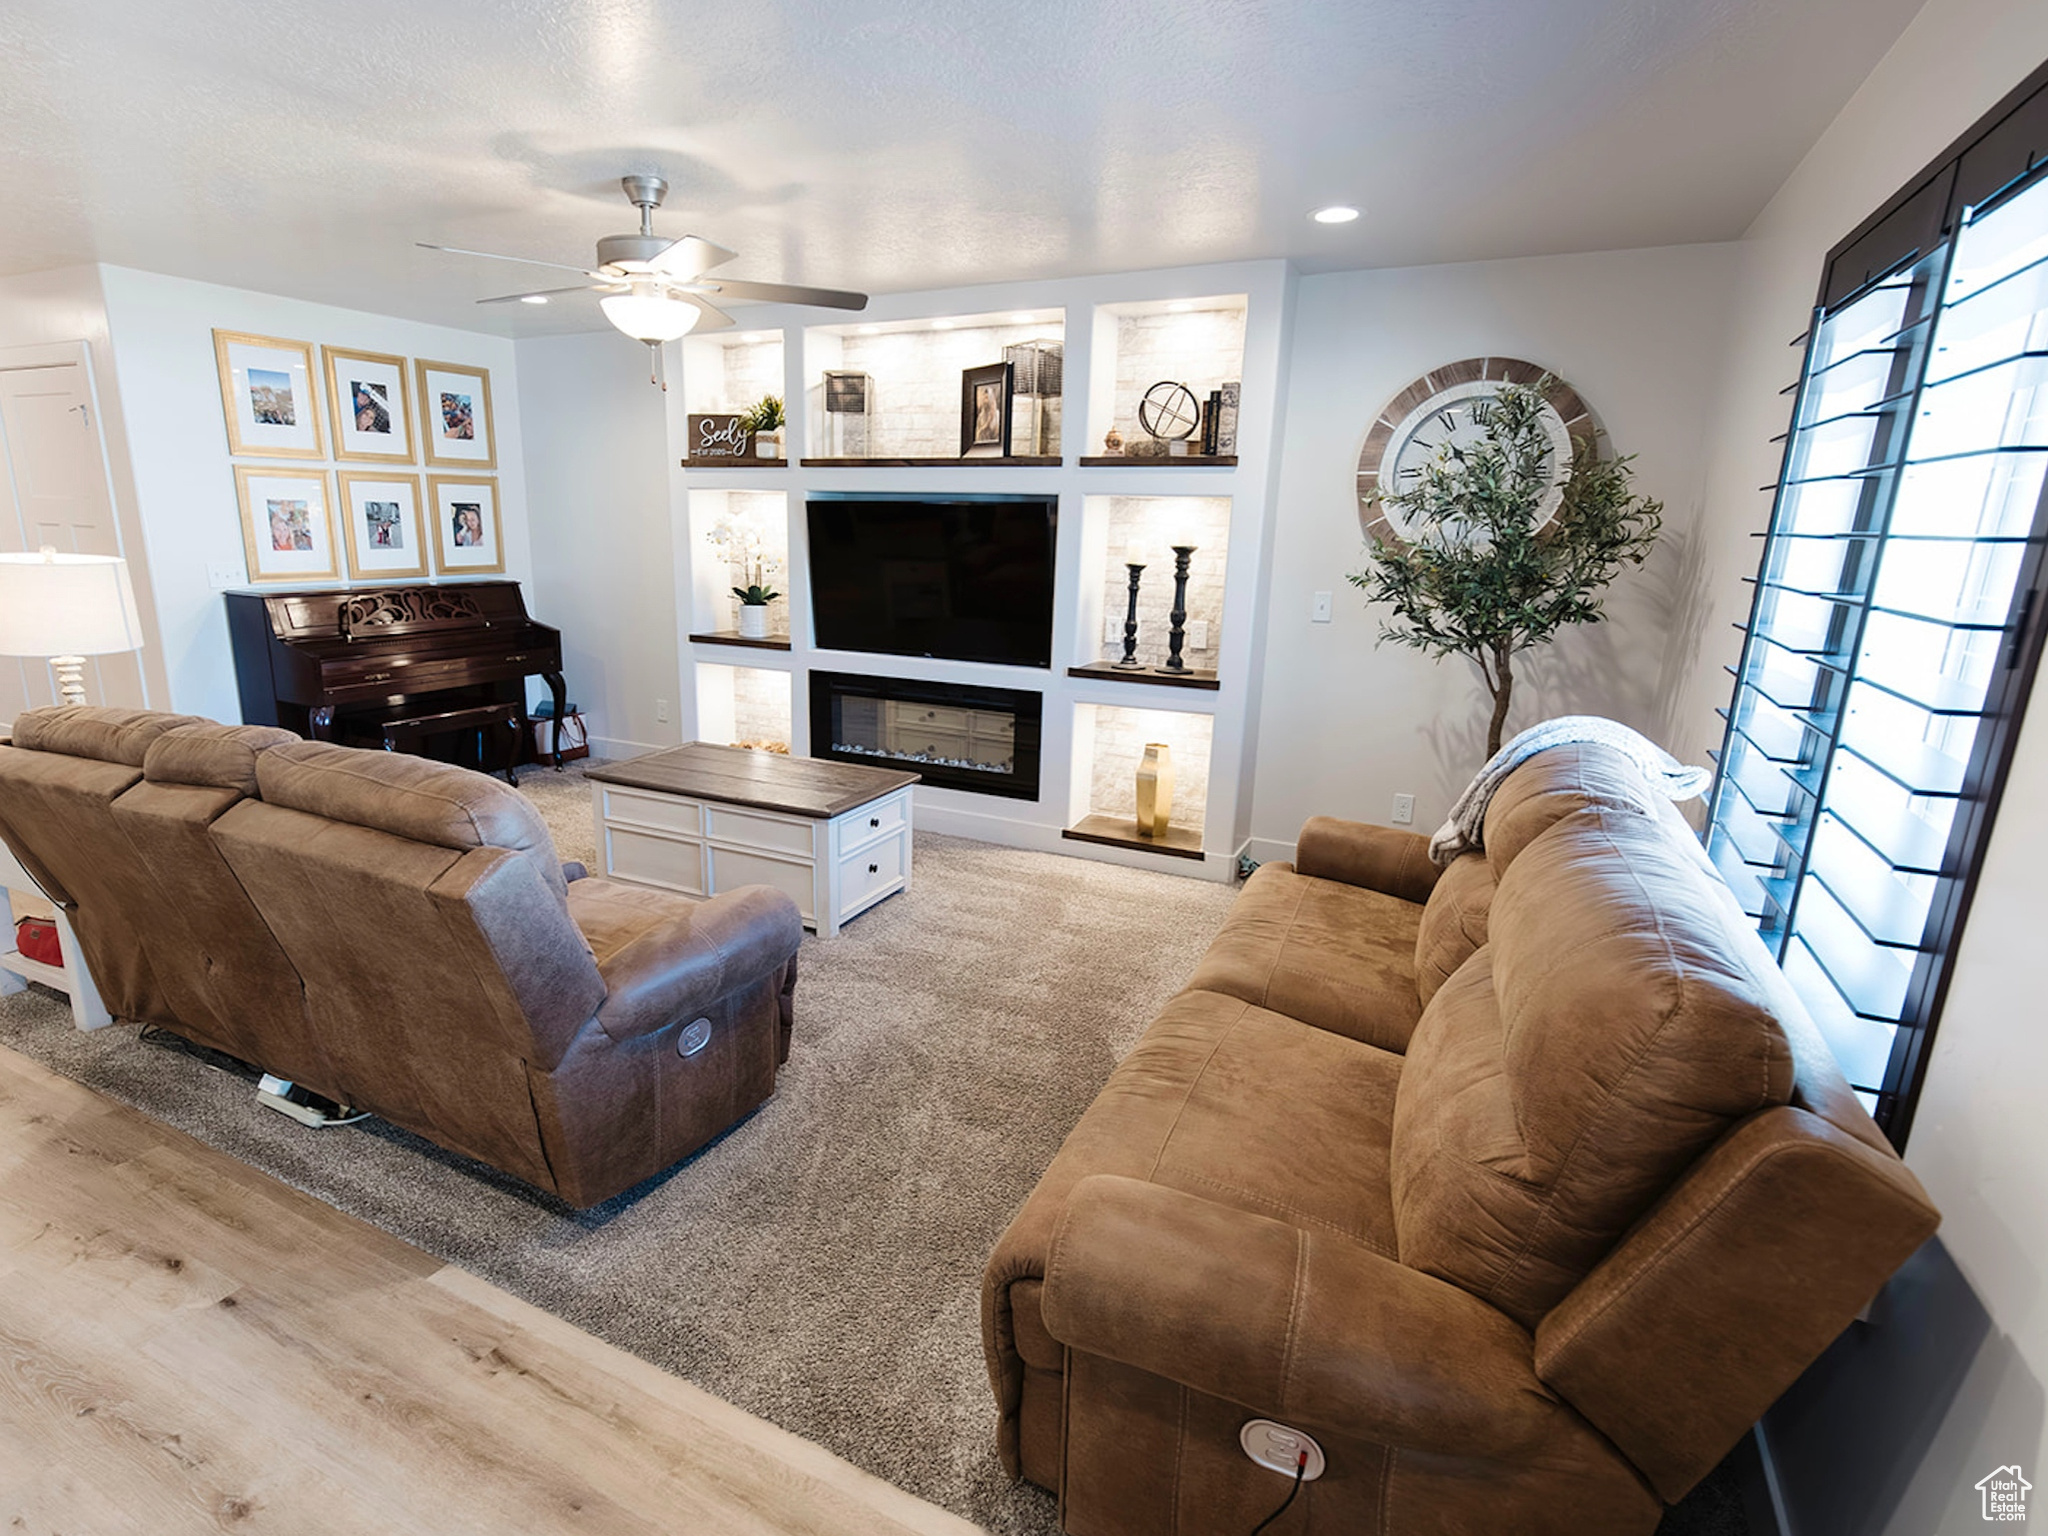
{"points": [[221, 576], [1404, 810], [1319, 609], [661, 711], [1198, 634]]}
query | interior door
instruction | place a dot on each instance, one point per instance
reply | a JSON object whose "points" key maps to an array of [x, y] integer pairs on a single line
{"points": [[54, 491]]}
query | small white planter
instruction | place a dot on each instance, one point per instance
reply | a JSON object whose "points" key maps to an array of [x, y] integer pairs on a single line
{"points": [[768, 445], [753, 621]]}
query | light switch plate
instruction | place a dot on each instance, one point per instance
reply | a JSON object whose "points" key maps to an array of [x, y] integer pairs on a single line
{"points": [[1319, 609], [221, 576]]}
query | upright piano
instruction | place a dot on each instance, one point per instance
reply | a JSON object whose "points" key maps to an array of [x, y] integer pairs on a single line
{"points": [[333, 664]]}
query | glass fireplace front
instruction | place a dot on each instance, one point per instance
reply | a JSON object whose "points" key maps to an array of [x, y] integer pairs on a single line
{"points": [[983, 740]]}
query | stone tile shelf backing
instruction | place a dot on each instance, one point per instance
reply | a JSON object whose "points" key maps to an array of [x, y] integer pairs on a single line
{"points": [[1120, 738], [731, 378], [1144, 528], [760, 705], [916, 392], [1201, 349], [767, 511]]}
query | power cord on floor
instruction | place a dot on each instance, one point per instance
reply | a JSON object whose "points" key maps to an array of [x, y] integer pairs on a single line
{"points": [[1300, 1471]]}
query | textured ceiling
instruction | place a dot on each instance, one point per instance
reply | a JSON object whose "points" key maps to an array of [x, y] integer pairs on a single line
{"points": [[300, 147]]}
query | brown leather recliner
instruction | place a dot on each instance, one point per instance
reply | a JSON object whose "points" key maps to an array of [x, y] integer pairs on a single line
{"points": [[1524, 1190], [398, 935]]}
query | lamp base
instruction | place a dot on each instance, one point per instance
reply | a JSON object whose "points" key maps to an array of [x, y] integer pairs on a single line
{"points": [[70, 672]]}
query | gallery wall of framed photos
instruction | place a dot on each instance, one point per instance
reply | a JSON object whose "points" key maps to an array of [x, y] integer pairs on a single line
{"points": [[358, 428]]}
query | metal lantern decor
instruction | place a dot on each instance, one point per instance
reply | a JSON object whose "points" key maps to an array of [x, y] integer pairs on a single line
{"points": [[1037, 369], [849, 397]]}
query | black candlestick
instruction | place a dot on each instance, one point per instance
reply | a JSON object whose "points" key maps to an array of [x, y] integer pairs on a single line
{"points": [[1131, 620], [1178, 618]]}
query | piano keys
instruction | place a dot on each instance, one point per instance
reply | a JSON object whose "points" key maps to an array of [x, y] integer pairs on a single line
{"points": [[332, 664]]}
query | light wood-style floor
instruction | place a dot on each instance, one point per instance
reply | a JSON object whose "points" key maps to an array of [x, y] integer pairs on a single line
{"points": [[188, 1345]]}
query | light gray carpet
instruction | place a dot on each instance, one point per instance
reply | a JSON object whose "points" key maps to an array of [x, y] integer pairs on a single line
{"points": [[820, 1265]]}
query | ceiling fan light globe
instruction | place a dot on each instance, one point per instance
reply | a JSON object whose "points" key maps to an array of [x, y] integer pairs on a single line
{"points": [[649, 317]]}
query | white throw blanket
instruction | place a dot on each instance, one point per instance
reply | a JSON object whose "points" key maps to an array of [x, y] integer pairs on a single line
{"points": [[1463, 832]]}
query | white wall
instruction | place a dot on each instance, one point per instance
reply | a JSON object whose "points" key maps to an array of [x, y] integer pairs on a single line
{"points": [[161, 329], [1980, 1141], [603, 554], [1346, 725]]}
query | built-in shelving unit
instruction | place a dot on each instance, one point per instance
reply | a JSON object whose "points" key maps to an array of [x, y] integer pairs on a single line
{"points": [[1092, 348]]}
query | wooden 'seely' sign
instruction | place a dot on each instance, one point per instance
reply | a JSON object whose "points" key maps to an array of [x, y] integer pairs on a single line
{"points": [[717, 438]]}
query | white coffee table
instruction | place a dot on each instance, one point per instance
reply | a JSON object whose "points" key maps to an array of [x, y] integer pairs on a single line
{"points": [[701, 819]]}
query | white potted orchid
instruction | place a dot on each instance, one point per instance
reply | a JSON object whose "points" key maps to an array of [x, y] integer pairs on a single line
{"points": [[753, 564]]}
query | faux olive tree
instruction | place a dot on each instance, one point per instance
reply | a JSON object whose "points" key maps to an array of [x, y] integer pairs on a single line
{"points": [[1475, 576]]}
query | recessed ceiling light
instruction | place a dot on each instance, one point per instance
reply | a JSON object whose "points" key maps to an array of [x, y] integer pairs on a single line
{"points": [[755, 336], [1023, 319], [1336, 213], [866, 330], [1179, 307], [533, 298], [942, 325]]}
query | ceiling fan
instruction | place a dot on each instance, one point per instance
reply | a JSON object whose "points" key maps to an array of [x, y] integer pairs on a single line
{"points": [[654, 288]]}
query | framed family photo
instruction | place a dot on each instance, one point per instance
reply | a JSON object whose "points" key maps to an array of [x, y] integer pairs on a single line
{"points": [[370, 403], [455, 415], [268, 395], [380, 517], [467, 538], [287, 529], [985, 411]]}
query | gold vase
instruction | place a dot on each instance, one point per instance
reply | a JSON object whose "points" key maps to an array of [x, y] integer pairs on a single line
{"points": [[1155, 790]]}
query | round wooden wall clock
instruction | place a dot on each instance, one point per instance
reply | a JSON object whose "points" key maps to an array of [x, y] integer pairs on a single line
{"points": [[1414, 426]]}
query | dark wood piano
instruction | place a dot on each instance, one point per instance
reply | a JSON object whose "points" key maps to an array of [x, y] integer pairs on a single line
{"points": [[384, 664]]}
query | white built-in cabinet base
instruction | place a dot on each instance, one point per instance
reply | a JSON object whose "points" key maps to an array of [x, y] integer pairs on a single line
{"points": [[17, 970], [832, 869]]}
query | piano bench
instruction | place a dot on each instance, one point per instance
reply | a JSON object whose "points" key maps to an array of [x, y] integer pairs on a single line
{"points": [[398, 735]]}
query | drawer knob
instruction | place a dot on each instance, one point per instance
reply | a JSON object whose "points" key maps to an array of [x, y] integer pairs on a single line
{"points": [[874, 869], [874, 821]]}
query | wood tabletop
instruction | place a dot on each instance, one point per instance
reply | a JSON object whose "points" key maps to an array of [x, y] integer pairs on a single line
{"points": [[768, 781]]}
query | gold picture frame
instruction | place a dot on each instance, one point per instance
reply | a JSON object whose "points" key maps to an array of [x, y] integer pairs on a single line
{"points": [[469, 532], [382, 532], [269, 394], [454, 433], [369, 399], [287, 524]]}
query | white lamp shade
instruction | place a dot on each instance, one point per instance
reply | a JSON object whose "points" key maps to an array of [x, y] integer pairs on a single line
{"points": [[66, 605], [647, 315]]}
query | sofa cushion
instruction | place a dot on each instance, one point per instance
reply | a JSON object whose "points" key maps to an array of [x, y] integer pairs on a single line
{"points": [[87, 730], [1452, 928], [409, 797], [1551, 786], [1337, 956], [212, 756], [1607, 1035]]}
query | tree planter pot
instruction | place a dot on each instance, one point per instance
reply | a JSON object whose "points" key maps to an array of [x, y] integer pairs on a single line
{"points": [[753, 621]]}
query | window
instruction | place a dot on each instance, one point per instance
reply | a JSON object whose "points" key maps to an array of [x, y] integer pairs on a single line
{"points": [[1891, 640]]}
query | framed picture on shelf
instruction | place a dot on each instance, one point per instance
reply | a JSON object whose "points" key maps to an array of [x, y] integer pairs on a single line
{"points": [[380, 518], [455, 415], [287, 530], [371, 406], [985, 411], [267, 395], [467, 538]]}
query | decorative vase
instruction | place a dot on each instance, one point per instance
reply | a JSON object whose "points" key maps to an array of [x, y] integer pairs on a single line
{"points": [[768, 445], [1155, 790], [1112, 441], [753, 621]]}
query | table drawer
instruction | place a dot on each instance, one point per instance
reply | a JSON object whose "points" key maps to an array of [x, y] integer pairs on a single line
{"points": [[643, 808], [883, 818], [760, 829], [872, 873], [651, 859]]}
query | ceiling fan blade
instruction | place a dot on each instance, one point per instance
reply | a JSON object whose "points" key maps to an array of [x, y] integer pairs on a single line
{"points": [[786, 293], [549, 293], [714, 318], [690, 256], [456, 250]]}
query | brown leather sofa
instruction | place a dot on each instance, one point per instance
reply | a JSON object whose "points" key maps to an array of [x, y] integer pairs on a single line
{"points": [[398, 935], [1524, 1189]]}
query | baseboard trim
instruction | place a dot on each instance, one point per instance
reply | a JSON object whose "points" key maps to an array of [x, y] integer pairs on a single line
{"points": [[987, 827], [612, 749], [1268, 850]]}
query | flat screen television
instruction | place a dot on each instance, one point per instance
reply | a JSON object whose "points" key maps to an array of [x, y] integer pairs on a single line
{"points": [[963, 578]]}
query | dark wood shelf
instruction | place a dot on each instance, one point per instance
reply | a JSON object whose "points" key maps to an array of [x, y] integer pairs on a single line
{"points": [[734, 637], [748, 463], [1157, 461], [1011, 461], [1122, 832], [1110, 673]]}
